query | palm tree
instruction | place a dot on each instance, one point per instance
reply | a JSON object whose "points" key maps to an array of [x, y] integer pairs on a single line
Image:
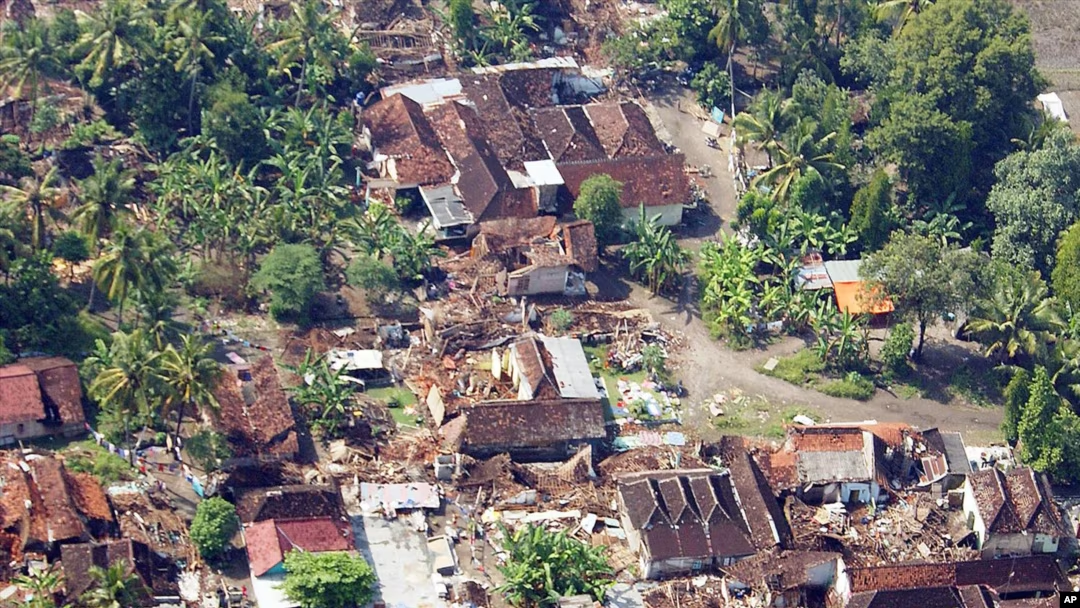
{"points": [[801, 155], [303, 39], [190, 42], [1018, 320], [899, 12], [769, 116], [25, 57], [41, 586], [735, 18], [115, 587], [112, 37], [40, 200], [105, 196], [191, 374], [128, 376], [134, 258]]}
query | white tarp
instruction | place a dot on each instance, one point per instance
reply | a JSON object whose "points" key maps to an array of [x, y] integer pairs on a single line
{"points": [[1052, 105]]}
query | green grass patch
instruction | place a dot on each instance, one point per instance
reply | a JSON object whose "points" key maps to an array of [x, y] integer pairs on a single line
{"points": [[800, 368], [754, 416], [396, 399], [851, 386], [906, 391], [89, 457]]}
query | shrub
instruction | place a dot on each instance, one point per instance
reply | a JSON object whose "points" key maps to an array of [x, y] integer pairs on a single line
{"points": [[106, 467], [293, 275], [208, 448], [798, 368], [561, 319], [214, 525], [375, 277], [654, 358], [894, 353], [851, 386], [328, 580], [220, 281], [713, 86]]}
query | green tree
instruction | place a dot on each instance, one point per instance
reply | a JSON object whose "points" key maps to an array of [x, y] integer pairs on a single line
{"points": [[126, 379], [237, 127], [656, 255], [599, 202], [293, 275], [191, 376], [841, 341], [803, 153], [375, 277], [105, 195], [1017, 394], [1036, 197], [871, 216], [39, 199], [41, 586], [897, 348], [35, 313], [14, 163], [923, 278], [117, 586], [71, 247], [769, 115], [213, 527], [324, 393], [112, 37], [1017, 320], [26, 57], [209, 449], [1066, 275], [932, 150], [328, 580], [738, 21], [191, 41], [1039, 435], [463, 22], [713, 86], [308, 39], [542, 566], [134, 259]]}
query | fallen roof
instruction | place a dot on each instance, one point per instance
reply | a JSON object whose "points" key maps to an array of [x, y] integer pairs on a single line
{"points": [[784, 570], [78, 559], [652, 181], [20, 395], [691, 514], [570, 367], [400, 131], [526, 424], [831, 454], [268, 541], [768, 525], [580, 242], [285, 502], [61, 518], [503, 234], [255, 416], [1006, 575], [89, 497]]}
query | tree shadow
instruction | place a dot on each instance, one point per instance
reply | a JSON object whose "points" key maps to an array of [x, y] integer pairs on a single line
{"points": [[948, 370]]}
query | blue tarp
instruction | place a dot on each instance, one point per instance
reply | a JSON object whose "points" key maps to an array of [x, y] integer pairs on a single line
{"points": [[717, 115]]}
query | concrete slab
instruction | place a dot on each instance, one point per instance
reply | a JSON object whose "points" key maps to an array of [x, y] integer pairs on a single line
{"points": [[401, 560]]}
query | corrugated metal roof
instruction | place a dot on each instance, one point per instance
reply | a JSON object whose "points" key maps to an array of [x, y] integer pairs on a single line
{"points": [[426, 92], [843, 271], [549, 62], [571, 368], [446, 208]]}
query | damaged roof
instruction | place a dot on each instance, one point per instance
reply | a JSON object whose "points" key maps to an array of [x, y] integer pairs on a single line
{"points": [[768, 525], [89, 497], [784, 570], [579, 239], [60, 386], [1009, 575], [531, 424], [286, 502], [268, 541], [255, 416], [503, 234], [400, 130], [624, 129], [20, 396], [653, 181], [938, 597], [62, 521], [1017, 501], [77, 560], [951, 444], [686, 514]]}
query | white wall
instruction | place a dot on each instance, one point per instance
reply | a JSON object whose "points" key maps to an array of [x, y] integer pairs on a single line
{"points": [[670, 215], [971, 513], [9, 433]]}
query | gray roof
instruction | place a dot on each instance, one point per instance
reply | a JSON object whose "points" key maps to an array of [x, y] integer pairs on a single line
{"points": [[571, 368], [844, 271], [445, 206], [956, 453], [828, 467]]}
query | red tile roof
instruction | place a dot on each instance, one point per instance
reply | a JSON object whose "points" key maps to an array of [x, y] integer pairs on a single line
{"points": [[88, 496], [1016, 502], [265, 426], [268, 541], [60, 386], [826, 439], [1006, 575], [20, 396], [650, 180], [400, 130], [61, 518], [624, 129]]}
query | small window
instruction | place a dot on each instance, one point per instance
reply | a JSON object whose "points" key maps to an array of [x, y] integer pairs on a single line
{"points": [[20, 429]]}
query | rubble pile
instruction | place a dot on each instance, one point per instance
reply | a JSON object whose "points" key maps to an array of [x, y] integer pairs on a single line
{"points": [[148, 516]]}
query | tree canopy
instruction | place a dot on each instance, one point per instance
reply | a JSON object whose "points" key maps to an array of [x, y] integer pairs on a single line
{"points": [[328, 580], [213, 527], [598, 202], [293, 275]]}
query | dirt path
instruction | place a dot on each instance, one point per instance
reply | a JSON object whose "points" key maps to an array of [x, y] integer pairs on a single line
{"points": [[707, 367]]}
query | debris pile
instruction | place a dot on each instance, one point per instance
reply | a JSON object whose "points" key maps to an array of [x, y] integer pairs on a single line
{"points": [[148, 516]]}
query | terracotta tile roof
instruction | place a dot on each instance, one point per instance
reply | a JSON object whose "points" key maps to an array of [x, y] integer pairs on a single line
{"points": [[1004, 576], [893, 434], [531, 424], [790, 569], [685, 513], [938, 597], [503, 234], [268, 541], [400, 130], [20, 396], [649, 180], [580, 242], [77, 560], [255, 416], [759, 504], [826, 439], [60, 386], [61, 519], [88, 496], [503, 100], [14, 498], [534, 364], [290, 502], [1016, 502], [1048, 601], [568, 134], [624, 129]]}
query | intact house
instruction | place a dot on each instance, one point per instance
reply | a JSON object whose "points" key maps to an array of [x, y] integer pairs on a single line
{"points": [[793, 578], [538, 256], [40, 396], [268, 541], [847, 463], [156, 572], [687, 521], [43, 506], [255, 416], [500, 144], [1009, 579], [528, 430], [1013, 513]]}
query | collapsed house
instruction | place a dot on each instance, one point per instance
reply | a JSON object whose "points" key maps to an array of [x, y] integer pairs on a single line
{"points": [[156, 572], [498, 144], [947, 466], [40, 396], [1013, 513], [538, 256], [527, 430], [293, 501], [687, 521], [255, 415], [542, 367], [794, 578]]}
